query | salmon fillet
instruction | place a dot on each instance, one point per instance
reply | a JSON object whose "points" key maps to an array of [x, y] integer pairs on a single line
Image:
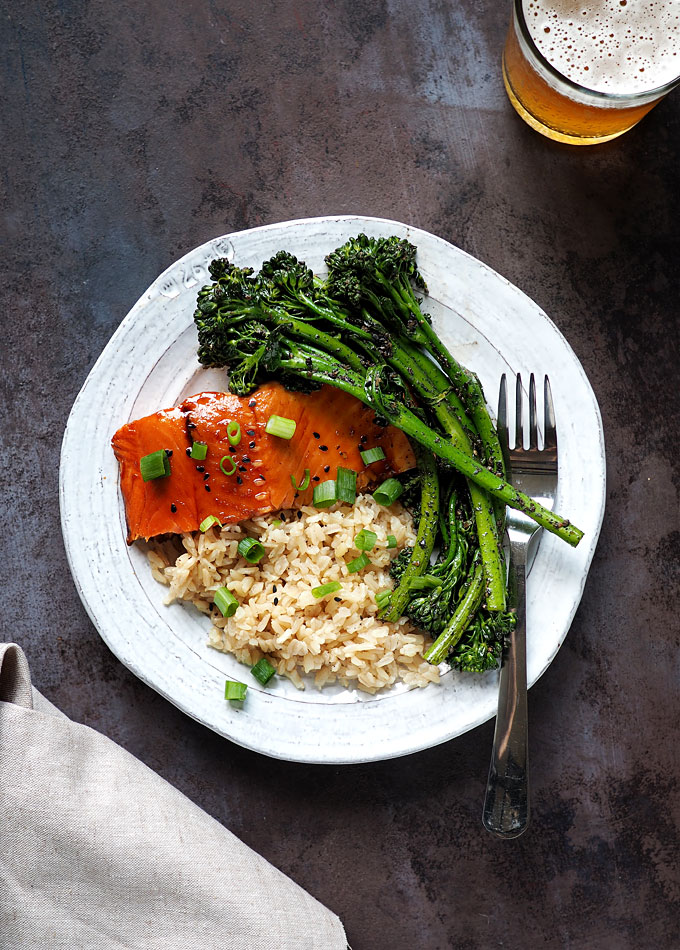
{"points": [[332, 428]]}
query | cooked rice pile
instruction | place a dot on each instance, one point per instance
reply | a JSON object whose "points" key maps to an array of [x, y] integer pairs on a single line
{"points": [[337, 638]]}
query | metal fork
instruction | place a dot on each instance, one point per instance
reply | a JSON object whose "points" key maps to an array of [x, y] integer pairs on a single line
{"points": [[534, 470]]}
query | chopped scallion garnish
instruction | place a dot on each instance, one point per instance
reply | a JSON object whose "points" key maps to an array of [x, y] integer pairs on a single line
{"points": [[199, 450], [235, 691], [276, 523], [209, 522], [229, 459], [281, 427], [391, 541], [424, 582], [154, 465], [225, 602], [382, 598], [234, 433], [263, 671], [304, 484], [346, 485], [251, 550], [365, 540], [388, 492], [325, 494], [372, 455], [329, 588], [359, 563]]}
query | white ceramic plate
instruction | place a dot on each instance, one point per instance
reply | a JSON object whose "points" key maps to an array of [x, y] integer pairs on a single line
{"points": [[150, 363]]}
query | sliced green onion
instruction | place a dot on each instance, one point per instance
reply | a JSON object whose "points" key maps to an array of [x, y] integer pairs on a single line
{"points": [[234, 433], [382, 598], [154, 465], [225, 602], [359, 563], [365, 540], [199, 450], [329, 588], [277, 523], [372, 455], [388, 492], [231, 462], [235, 691], [391, 541], [281, 427], [251, 550], [424, 582], [263, 671], [304, 484], [346, 482], [325, 494], [209, 522]]}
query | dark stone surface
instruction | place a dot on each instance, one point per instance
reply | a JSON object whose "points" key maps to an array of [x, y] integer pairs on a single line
{"points": [[134, 132]]}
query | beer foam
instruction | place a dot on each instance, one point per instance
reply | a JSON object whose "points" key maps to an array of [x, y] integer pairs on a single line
{"points": [[611, 46]]}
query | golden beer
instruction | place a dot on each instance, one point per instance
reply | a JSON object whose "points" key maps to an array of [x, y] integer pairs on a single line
{"points": [[586, 72]]}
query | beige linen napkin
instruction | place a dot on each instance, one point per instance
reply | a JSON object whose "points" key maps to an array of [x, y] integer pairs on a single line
{"points": [[97, 851]]}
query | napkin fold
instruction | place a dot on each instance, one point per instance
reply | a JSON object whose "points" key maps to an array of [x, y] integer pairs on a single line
{"points": [[96, 850]]}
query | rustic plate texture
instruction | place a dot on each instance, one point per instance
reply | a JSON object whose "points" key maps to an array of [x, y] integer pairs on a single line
{"points": [[150, 363]]}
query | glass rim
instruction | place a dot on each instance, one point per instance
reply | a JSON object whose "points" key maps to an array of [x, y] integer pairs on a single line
{"points": [[647, 94]]}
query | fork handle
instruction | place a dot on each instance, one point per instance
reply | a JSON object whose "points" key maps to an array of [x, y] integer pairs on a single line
{"points": [[506, 803]]}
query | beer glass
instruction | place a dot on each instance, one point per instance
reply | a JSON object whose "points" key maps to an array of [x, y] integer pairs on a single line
{"points": [[586, 73]]}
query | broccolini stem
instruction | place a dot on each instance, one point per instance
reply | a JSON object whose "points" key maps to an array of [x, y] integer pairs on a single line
{"points": [[425, 537], [489, 547], [470, 391], [318, 338], [322, 368], [485, 518], [458, 623]]}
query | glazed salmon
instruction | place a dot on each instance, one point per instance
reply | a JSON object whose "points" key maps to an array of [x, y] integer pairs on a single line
{"points": [[332, 428]]}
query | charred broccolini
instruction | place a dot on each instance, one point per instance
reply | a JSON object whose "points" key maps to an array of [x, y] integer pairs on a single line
{"points": [[362, 330]]}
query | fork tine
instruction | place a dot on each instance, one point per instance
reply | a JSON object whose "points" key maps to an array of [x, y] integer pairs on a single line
{"points": [[533, 428], [549, 425], [519, 427], [502, 415]]}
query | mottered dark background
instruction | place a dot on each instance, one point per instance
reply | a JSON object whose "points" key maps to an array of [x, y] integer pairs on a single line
{"points": [[134, 131]]}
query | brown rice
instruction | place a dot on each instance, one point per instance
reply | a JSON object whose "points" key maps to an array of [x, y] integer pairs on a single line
{"points": [[338, 638]]}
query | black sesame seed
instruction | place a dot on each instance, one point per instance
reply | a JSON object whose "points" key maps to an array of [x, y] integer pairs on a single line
{"points": [[363, 439], [250, 431], [206, 476], [188, 451], [262, 478], [274, 588], [316, 435], [200, 468], [316, 477], [299, 514], [252, 403], [282, 516], [207, 487], [323, 448], [242, 468], [173, 507], [326, 468], [276, 601], [239, 480], [191, 425], [251, 445], [168, 452], [245, 459], [232, 448], [337, 600]]}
